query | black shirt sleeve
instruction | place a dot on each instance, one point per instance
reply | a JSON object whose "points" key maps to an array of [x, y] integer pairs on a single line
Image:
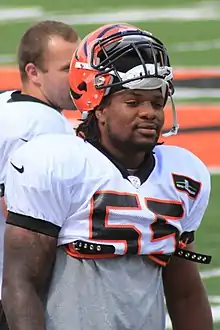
{"points": [[33, 224]]}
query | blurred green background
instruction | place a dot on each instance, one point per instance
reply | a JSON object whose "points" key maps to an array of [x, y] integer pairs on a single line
{"points": [[194, 42], [191, 31]]}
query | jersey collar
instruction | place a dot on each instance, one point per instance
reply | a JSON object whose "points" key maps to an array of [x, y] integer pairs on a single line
{"points": [[17, 96], [143, 171]]}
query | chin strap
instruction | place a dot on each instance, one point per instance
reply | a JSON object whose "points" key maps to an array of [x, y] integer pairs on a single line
{"points": [[175, 127]]}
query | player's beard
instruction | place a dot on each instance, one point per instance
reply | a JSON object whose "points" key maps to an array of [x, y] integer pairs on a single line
{"points": [[130, 145]]}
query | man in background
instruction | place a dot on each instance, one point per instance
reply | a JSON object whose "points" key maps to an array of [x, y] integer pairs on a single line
{"points": [[44, 56]]}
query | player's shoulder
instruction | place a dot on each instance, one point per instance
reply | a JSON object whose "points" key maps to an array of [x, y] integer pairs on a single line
{"points": [[4, 98], [25, 117], [180, 160], [19, 104], [57, 154]]}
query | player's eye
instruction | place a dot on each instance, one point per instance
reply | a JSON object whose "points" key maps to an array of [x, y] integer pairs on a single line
{"points": [[157, 105], [132, 103]]}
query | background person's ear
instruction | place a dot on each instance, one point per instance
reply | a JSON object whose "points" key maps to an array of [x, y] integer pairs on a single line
{"points": [[33, 73]]}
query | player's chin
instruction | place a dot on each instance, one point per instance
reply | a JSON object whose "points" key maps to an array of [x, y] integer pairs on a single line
{"points": [[145, 140], [145, 144]]}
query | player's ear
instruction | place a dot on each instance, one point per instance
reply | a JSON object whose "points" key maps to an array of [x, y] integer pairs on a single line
{"points": [[102, 109], [100, 115], [33, 73]]}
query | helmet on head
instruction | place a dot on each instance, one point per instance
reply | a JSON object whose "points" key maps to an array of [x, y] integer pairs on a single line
{"points": [[115, 57]]}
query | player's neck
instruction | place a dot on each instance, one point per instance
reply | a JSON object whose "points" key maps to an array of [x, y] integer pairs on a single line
{"points": [[31, 90], [127, 159]]}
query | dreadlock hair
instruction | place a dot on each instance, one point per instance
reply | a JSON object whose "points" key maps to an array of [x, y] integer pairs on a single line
{"points": [[89, 128]]}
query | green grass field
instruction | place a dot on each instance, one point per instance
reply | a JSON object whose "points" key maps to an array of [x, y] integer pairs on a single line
{"points": [[179, 36], [190, 43], [207, 241]]}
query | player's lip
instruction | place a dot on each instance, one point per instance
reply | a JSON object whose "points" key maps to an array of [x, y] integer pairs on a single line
{"points": [[147, 126]]}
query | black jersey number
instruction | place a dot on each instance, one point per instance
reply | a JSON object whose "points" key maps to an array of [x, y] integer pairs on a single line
{"points": [[104, 202]]}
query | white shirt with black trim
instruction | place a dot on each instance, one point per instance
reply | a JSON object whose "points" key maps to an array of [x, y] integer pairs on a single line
{"points": [[21, 119], [67, 188]]}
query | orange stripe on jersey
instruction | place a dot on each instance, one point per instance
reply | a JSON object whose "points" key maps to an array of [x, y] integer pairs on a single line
{"points": [[176, 211], [161, 229], [105, 213], [157, 260]]}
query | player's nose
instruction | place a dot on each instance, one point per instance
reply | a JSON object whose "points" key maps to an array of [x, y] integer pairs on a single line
{"points": [[147, 111]]}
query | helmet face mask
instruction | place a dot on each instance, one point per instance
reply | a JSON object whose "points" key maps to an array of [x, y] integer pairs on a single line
{"points": [[118, 57], [130, 56]]}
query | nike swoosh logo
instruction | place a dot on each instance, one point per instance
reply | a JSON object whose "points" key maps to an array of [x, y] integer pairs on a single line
{"points": [[19, 169], [23, 140]]}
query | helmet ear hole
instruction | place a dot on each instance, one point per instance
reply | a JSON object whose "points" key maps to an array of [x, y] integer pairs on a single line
{"points": [[82, 86]]}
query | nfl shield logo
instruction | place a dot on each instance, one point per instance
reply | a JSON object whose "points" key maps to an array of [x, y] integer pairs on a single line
{"points": [[135, 181]]}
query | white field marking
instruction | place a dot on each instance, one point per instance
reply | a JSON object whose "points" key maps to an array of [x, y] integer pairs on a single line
{"points": [[214, 299], [195, 46], [192, 46], [210, 273], [20, 14], [194, 12], [7, 58], [192, 93]]}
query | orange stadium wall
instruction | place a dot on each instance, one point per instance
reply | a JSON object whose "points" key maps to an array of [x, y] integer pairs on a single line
{"points": [[199, 123]]}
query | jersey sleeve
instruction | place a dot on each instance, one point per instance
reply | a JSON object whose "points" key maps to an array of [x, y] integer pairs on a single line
{"points": [[200, 204], [7, 145], [21, 122], [37, 199]]}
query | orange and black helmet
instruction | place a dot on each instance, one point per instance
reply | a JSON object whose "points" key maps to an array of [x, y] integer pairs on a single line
{"points": [[114, 57]]}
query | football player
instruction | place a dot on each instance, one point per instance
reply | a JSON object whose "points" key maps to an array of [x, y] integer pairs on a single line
{"points": [[44, 56], [108, 219]]}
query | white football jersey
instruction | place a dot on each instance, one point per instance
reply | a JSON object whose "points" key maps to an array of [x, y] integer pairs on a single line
{"points": [[22, 118], [4, 97], [95, 209]]}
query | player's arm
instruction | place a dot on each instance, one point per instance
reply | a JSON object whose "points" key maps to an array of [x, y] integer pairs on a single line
{"points": [[186, 298], [29, 257], [37, 203]]}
